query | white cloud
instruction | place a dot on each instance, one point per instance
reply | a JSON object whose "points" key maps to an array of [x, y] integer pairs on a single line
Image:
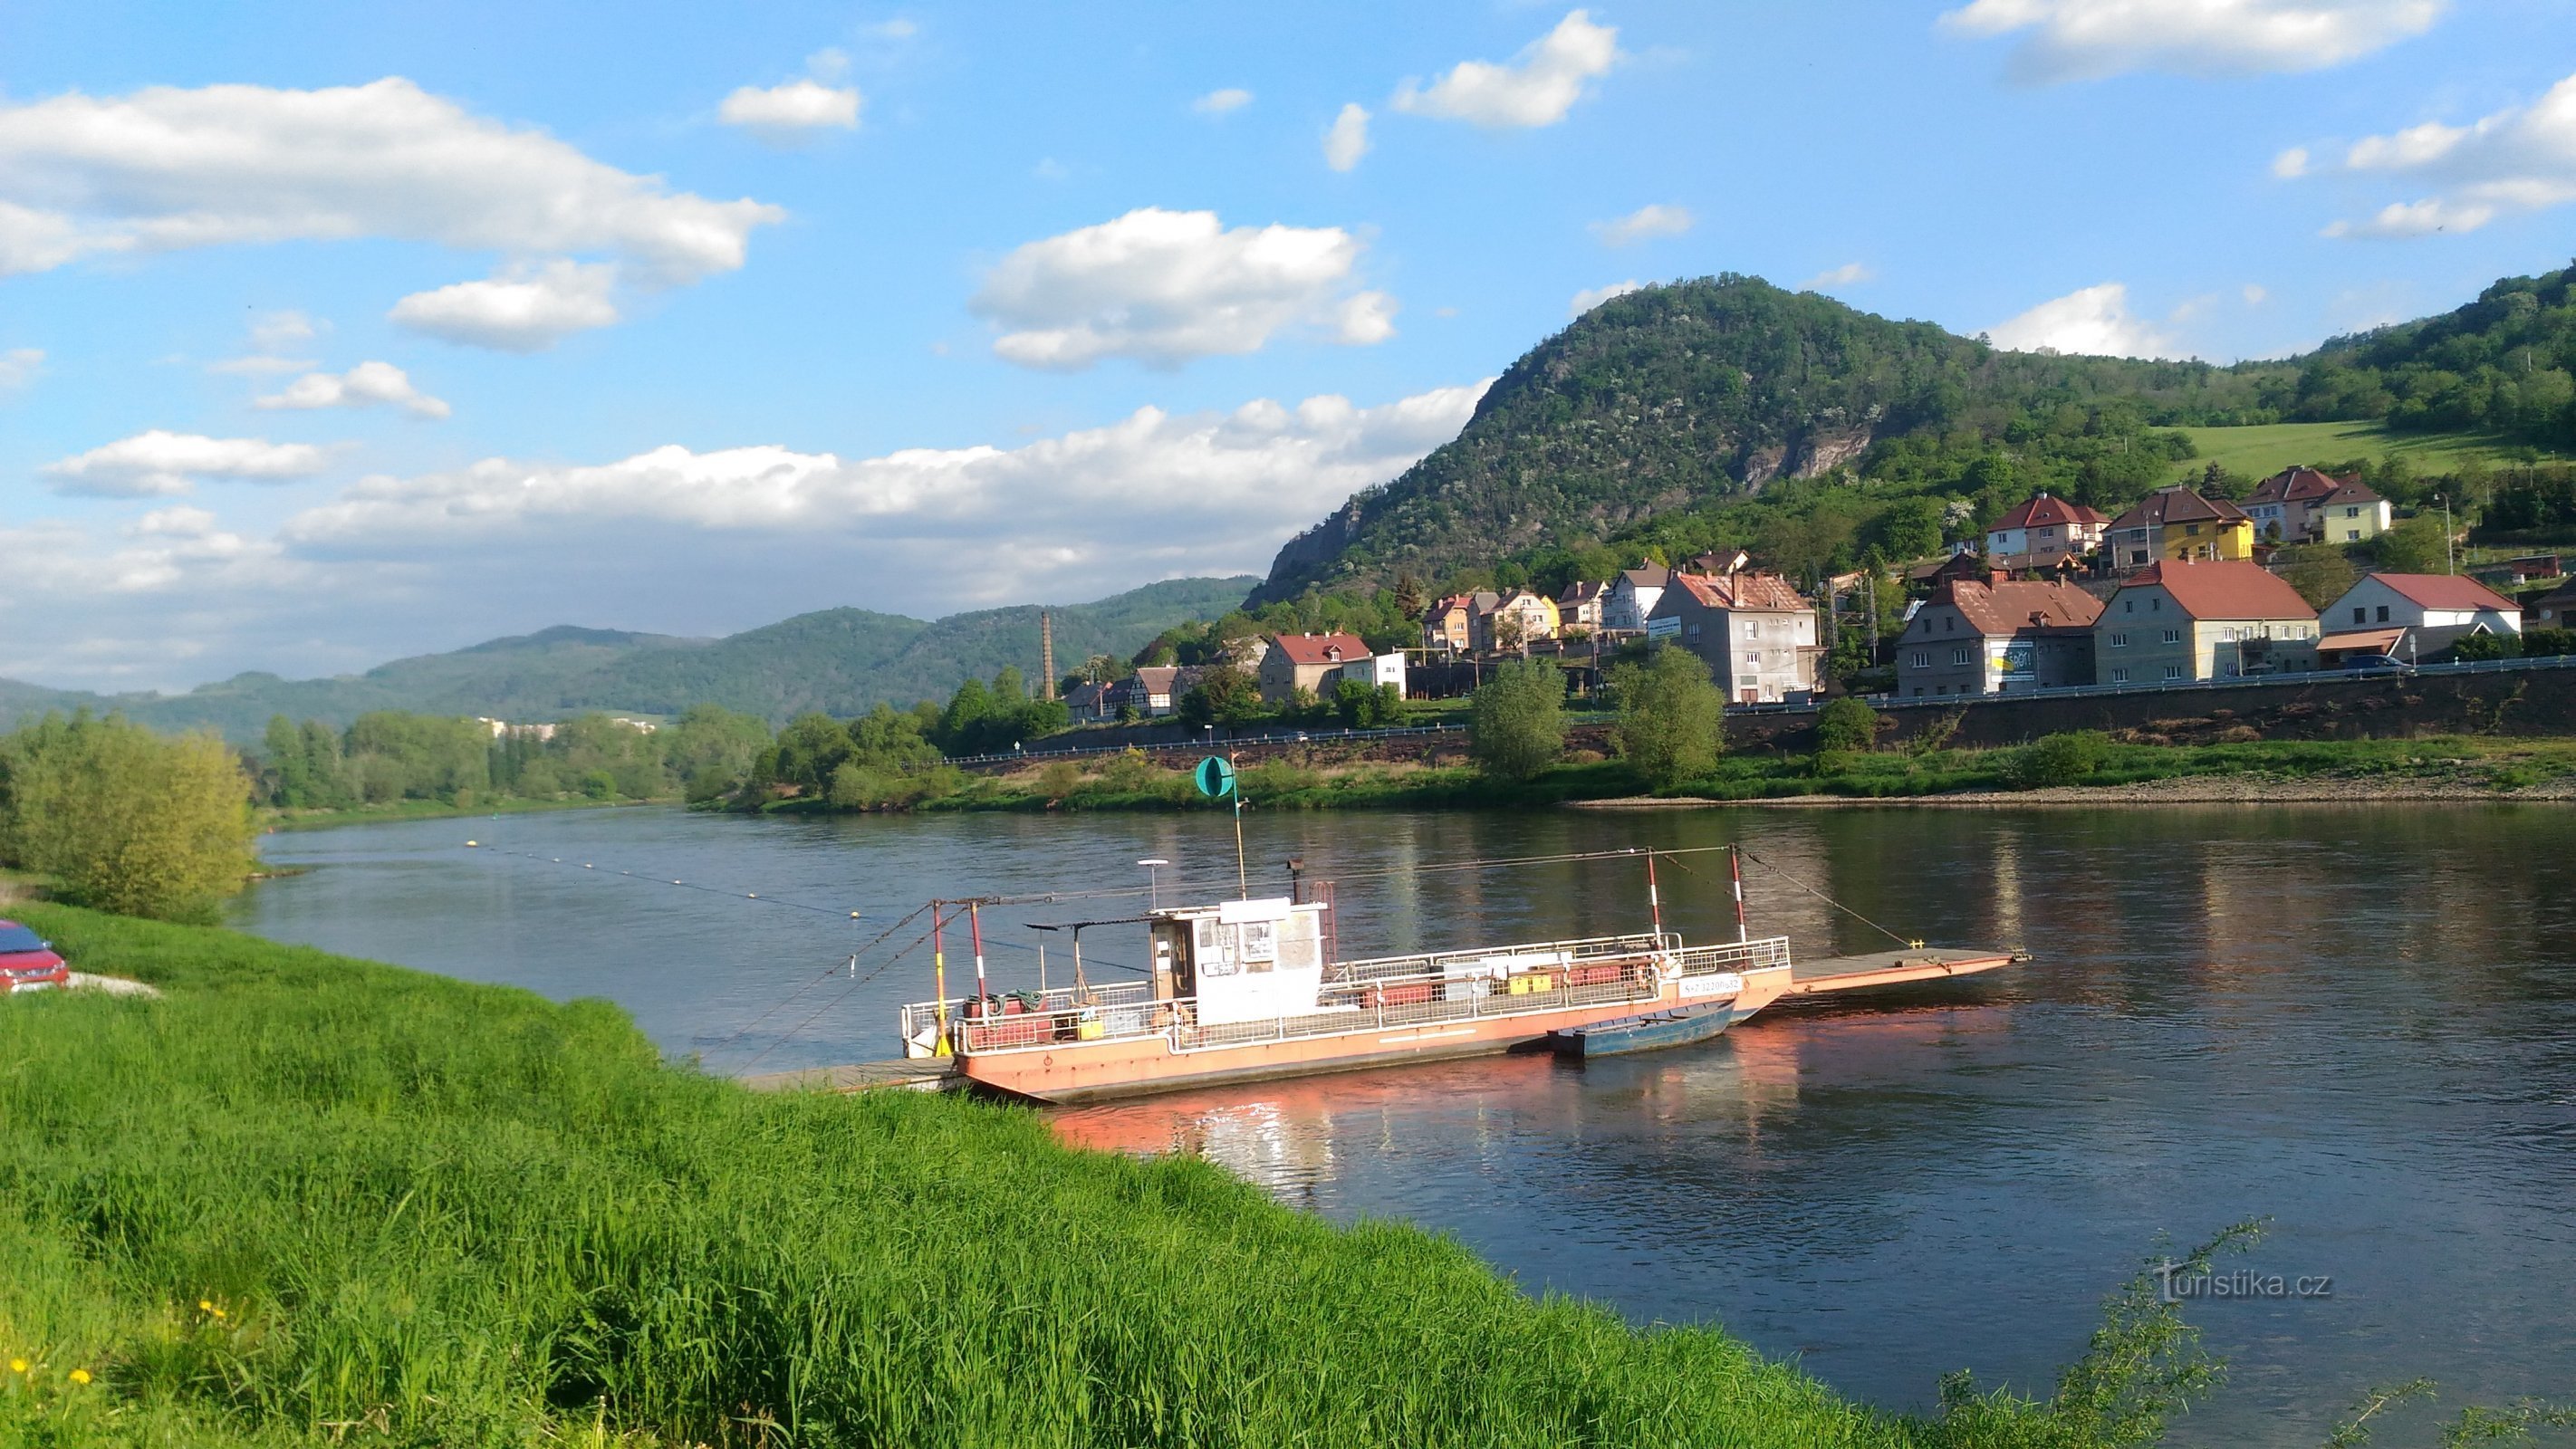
{"points": [[2255, 295], [1584, 301], [1534, 88], [366, 384], [795, 107], [1347, 139], [2520, 159], [19, 366], [257, 364], [1167, 286], [164, 168], [159, 462], [2291, 164], [2089, 39], [1654, 220], [1849, 274], [1218, 103], [525, 309], [2094, 322]]}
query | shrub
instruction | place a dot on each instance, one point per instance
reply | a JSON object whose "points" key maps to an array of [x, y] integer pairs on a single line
{"points": [[1517, 726], [1846, 724], [1365, 706], [2486, 646], [2548, 643], [1670, 717], [126, 820], [2059, 759]]}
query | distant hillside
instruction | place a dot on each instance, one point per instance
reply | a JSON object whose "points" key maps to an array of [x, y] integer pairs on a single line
{"points": [[842, 661], [1675, 395], [2504, 364]]}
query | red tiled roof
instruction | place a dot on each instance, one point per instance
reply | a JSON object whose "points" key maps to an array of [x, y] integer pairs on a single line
{"points": [[2224, 589], [2012, 606], [2177, 505], [2043, 511], [2296, 485], [2447, 591], [1741, 591], [1321, 648]]}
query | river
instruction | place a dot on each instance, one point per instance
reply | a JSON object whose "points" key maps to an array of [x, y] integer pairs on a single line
{"points": [[2357, 1021]]}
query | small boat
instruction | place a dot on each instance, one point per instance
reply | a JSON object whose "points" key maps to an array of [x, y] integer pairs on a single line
{"points": [[1249, 989]]}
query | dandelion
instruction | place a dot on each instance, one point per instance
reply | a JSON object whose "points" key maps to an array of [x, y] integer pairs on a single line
{"points": [[205, 1306], [80, 1376], [17, 1365]]}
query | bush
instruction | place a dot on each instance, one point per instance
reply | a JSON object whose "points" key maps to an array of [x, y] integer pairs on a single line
{"points": [[1366, 706], [1517, 726], [1846, 724], [1671, 718], [2059, 759], [2486, 646], [2548, 643], [124, 819]]}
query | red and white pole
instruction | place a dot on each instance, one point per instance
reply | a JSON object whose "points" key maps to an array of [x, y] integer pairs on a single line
{"points": [[1735, 866], [975, 924], [1654, 900]]}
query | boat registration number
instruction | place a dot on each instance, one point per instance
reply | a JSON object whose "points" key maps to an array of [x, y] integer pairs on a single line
{"points": [[1716, 983]]}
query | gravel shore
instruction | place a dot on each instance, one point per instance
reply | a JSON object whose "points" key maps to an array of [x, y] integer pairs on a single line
{"points": [[2182, 790]]}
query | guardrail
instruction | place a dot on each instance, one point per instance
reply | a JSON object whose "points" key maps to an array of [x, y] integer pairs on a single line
{"points": [[2249, 681]]}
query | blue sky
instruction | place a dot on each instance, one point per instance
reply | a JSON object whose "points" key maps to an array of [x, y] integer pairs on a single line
{"points": [[329, 333]]}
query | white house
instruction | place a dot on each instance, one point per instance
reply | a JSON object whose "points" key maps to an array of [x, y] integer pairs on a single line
{"points": [[2413, 616], [1756, 633], [1376, 670], [1633, 595], [2042, 530]]}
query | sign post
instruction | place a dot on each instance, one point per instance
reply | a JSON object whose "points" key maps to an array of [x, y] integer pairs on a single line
{"points": [[1216, 776]]}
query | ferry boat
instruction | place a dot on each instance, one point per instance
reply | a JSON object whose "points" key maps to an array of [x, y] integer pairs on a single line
{"points": [[1247, 989]]}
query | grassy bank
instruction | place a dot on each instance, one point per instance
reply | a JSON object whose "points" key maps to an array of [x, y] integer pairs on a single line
{"points": [[306, 1199], [272, 818], [2448, 764]]}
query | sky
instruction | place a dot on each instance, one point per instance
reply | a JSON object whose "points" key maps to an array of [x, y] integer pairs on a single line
{"points": [[331, 334]]}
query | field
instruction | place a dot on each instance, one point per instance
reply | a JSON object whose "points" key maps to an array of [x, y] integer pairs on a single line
{"points": [[304, 1199], [2260, 451]]}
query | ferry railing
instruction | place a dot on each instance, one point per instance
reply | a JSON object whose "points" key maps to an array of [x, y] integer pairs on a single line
{"points": [[1599, 976], [1064, 1007], [1537, 954]]}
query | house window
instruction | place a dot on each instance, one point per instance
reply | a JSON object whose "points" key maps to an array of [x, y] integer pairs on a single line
{"points": [[1922, 660], [2119, 641], [1752, 630], [2191, 530], [2173, 672], [1691, 633], [2352, 513], [1918, 691], [1752, 658], [1958, 656], [2227, 635], [2383, 613], [2156, 604], [2119, 676], [2173, 636], [2360, 615], [2128, 606], [2231, 671], [2352, 535]]}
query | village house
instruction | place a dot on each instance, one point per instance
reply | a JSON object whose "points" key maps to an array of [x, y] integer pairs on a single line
{"points": [[1450, 626], [1305, 661], [2350, 514], [2043, 531], [2179, 620], [2176, 523], [1580, 605], [1633, 595], [1756, 633], [1996, 636], [2412, 617], [1088, 702], [1152, 691], [2556, 609], [1375, 671], [1518, 619], [2279, 505]]}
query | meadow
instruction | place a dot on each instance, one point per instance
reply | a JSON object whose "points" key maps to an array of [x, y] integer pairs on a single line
{"points": [[303, 1199], [2262, 449]]}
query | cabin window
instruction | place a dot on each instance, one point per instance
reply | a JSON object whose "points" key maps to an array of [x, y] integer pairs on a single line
{"points": [[1258, 943], [1214, 949]]}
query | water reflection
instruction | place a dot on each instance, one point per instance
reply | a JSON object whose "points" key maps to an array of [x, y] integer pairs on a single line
{"points": [[2361, 1021]]}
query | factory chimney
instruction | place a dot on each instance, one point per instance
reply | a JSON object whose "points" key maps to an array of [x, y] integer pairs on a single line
{"points": [[1046, 651]]}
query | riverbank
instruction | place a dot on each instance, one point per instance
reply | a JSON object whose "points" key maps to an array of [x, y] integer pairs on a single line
{"points": [[271, 818], [2091, 770], [300, 1194]]}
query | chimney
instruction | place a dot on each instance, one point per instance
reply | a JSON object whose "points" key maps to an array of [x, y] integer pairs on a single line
{"points": [[1997, 577], [1046, 650]]}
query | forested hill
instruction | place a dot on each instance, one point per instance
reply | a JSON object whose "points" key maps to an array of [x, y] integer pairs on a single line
{"points": [[842, 661], [1680, 397]]}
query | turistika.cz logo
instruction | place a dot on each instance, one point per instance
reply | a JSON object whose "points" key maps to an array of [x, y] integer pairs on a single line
{"points": [[2177, 1284]]}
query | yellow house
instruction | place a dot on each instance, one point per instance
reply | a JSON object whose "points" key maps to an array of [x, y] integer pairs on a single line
{"points": [[2176, 523]]}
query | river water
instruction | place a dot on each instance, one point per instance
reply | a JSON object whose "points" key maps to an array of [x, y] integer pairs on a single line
{"points": [[2357, 1021]]}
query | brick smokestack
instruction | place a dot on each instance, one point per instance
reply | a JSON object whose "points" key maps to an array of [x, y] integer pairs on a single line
{"points": [[1046, 651]]}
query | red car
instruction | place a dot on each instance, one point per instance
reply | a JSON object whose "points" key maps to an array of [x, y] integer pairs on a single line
{"points": [[27, 963]]}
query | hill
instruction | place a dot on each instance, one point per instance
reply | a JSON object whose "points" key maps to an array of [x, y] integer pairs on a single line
{"points": [[841, 661], [1699, 400]]}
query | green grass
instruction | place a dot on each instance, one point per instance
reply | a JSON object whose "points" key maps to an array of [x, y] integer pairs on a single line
{"points": [[305, 1199], [2265, 449], [431, 810]]}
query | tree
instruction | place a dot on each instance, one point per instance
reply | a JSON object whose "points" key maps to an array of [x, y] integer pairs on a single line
{"points": [[1363, 706], [2415, 546], [1846, 724], [1516, 723], [809, 750], [1223, 695], [1408, 596], [2319, 571], [1670, 717], [124, 819]]}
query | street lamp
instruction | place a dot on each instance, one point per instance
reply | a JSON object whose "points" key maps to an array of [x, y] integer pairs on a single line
{"points": [[1153, 881]]}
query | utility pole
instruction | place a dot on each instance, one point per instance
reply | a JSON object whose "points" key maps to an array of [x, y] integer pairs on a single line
{"points": [[2450, 555]]}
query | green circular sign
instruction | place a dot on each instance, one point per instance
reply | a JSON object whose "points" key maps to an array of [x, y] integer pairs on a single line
{"points": [[1216, 778]]}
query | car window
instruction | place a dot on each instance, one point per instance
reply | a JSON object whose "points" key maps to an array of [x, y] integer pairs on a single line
{"points": [[19, 938]]}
